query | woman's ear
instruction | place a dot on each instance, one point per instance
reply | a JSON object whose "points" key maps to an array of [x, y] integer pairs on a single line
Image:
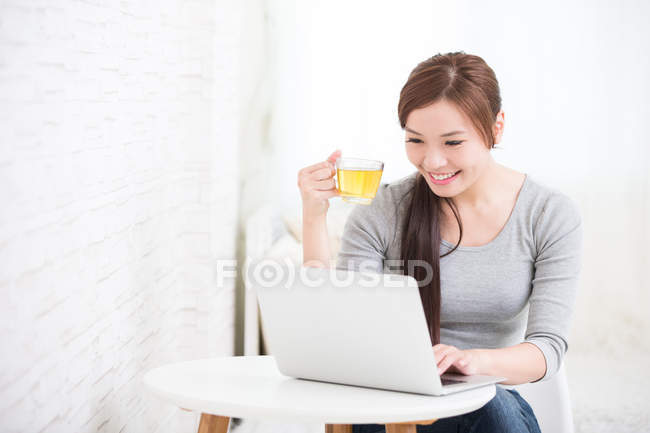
{"points": [[497, 129]]}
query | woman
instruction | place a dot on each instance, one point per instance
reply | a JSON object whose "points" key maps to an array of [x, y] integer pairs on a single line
{"points": [[504, 250]]}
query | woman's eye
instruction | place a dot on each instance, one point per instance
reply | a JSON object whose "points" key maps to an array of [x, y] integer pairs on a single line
{"points": [[454, 143], [414, 140]]}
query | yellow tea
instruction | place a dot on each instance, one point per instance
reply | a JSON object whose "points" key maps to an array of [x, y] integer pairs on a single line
{"points": [[358, 186]]}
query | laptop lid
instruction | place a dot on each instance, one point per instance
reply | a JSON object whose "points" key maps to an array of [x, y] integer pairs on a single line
{"points": [[356, 328]]}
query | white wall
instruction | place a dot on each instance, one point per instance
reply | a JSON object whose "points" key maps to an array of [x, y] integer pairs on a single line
{"points": [[254, 169], [119, 184]]}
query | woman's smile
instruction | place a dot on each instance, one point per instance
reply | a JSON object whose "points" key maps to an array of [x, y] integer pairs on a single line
{"points": [[443, 178]]}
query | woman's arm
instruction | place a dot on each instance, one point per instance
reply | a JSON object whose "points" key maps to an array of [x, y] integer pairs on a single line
{"points": [[317, 186], [315, 242], [558, 241], [522, 363]]}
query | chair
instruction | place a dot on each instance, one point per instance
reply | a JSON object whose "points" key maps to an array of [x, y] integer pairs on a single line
{"points": [[550, 402]]}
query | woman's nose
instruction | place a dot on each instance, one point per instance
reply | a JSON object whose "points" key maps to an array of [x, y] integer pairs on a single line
{"points": [[434, 160]]}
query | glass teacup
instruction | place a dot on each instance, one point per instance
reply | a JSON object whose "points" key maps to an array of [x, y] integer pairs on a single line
{"points": [[358, 179]]}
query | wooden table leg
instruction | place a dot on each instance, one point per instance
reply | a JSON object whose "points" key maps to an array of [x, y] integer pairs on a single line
{"points": [[338, 428], [213, 423], [401, 428]]}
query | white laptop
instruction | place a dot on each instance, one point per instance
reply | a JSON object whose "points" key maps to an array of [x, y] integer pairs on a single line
{"points": [[352, 328]]}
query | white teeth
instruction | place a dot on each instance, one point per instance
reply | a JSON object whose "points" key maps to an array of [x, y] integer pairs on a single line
{"points": [[443, 177]]}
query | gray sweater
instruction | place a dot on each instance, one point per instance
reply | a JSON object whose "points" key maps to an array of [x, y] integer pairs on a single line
{"points": [[519, 287]]}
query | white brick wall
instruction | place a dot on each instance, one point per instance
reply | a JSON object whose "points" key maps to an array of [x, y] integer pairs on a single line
{"points": [[118, 191]]}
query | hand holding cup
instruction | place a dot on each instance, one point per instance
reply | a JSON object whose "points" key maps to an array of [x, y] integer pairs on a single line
{"points": [[317, 186]]}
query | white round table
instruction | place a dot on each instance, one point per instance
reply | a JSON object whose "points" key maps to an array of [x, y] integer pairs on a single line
{"points": [[252, 387]]}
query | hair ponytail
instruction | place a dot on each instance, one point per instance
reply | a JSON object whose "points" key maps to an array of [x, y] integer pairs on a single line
{"points": [[468, 82]]}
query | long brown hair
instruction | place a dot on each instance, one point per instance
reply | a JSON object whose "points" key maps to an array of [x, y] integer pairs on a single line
{"points": [[470, 84]]}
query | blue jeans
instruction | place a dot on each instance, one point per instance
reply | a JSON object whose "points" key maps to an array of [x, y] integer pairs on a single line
{"points": [[507, 412]]}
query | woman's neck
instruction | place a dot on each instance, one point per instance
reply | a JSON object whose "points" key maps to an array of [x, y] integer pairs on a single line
{"points": [[489, 190]]}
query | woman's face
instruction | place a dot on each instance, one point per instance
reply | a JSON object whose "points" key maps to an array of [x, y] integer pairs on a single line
{"points": [[443, 145]]}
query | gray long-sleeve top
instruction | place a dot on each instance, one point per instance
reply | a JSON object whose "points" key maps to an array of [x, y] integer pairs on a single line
{"points": [[519, 287]]}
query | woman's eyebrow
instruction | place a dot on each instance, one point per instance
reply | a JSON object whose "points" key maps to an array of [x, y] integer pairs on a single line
{"points": [[446, 134], [412, 131]]}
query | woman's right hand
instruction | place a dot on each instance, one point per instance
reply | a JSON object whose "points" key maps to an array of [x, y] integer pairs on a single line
{"points": [[317, 186]]}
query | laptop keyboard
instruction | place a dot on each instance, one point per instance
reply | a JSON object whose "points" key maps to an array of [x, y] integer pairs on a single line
{"points": [[450, 381]]}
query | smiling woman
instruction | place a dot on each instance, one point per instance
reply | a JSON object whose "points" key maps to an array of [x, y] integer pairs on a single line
{"points": [[504, 250], [452, 95]]}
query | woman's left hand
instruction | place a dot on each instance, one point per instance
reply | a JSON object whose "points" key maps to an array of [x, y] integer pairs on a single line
{"points": [[455, 360]]}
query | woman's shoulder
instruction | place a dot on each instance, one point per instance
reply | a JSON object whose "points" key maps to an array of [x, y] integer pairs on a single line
{"points": [[548, 207], [394, 192], [391, 196], [389, 200]]}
